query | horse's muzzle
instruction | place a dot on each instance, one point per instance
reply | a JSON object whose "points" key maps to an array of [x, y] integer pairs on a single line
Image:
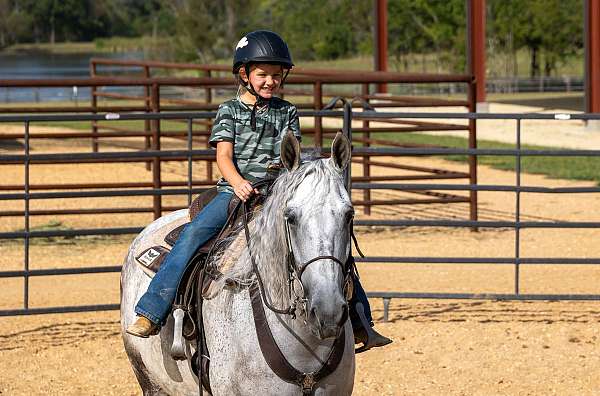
{"points": [[328, 326]]}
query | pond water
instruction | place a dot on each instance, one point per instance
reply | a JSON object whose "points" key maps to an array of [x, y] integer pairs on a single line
{"points": [[41, 65]]}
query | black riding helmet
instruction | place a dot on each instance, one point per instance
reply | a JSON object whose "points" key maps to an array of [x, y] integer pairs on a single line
{"points": [[260, 46]]}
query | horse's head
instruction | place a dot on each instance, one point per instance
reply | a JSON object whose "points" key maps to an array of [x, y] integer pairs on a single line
{"points": [[318, 217]]}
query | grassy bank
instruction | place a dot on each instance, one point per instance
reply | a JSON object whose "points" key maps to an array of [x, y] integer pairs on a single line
{"points": [[56, 48], [146, 44]]}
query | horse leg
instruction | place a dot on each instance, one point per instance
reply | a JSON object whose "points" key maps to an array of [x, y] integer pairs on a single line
{"points": [[149, 387]]}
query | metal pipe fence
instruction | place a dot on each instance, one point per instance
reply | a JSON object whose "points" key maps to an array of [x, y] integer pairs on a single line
{"points": [[190, 154]]}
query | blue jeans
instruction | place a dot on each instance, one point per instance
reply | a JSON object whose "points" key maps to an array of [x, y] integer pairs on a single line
{"points": [[359, 295], [156, 303]]}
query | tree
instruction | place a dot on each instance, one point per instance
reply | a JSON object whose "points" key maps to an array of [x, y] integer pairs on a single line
{"points": [[208, 29], [5, 11], [425, 27], [548, 28], [323, 30]]}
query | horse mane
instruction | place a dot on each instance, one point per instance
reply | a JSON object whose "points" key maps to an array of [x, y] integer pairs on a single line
{"points": [[267, 233]]}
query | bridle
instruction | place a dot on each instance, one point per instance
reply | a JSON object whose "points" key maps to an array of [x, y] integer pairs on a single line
{"points": [[295, 272]]}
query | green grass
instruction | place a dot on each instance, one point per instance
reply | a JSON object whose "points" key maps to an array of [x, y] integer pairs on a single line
{"points": [[498, 64], [124, 44], [56, 48], [573, 168]]}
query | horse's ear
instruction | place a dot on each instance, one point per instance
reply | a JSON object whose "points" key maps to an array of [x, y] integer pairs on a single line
{"points": [[341, 151], [290, 151]]}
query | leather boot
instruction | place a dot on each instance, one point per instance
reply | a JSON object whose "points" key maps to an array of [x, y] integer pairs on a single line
{"points": [[366, 334], [142, 327], [370, 339]]}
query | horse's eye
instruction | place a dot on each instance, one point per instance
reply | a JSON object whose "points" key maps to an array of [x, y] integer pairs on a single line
{"points": [[289, 216], [349, 216]]}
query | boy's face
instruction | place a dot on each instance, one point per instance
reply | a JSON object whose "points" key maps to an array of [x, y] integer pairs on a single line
{"points": [[265, 78]]}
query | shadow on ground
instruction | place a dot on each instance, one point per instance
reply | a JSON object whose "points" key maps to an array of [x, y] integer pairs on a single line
{"points": [[11, 145], [59, 334]]}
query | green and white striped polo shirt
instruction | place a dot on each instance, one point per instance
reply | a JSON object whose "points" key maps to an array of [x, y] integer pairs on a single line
{"points": [[255, 150]]}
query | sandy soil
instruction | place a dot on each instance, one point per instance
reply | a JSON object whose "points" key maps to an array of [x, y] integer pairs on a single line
{"points": [[441, 347]]}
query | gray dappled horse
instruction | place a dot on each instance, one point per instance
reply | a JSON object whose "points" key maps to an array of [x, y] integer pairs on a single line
{"points": [[307, 218]]}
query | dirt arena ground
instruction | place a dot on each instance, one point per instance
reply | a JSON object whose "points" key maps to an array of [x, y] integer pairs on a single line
{"points": [[441, 347]]}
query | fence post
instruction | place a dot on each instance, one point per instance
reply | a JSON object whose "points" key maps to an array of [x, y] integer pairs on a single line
{"points": [[318, 105], [347, 128], [26, 210], [156, 182], [366, 158], [518, 209], [147, 105], [208, 89], [209, 163], [472, 159], [190, 184], [94, 107]]}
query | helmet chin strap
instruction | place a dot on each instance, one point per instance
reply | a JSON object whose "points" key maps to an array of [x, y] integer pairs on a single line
{"points": [[259, 99]]}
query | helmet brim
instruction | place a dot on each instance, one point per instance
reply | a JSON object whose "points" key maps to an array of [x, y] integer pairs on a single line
{"points": [[264, 59]]}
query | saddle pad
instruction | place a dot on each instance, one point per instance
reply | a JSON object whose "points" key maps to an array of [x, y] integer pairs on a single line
{"points": [[173, 235], [234, 226], [197, 205], [151, 259], [201, 201]]}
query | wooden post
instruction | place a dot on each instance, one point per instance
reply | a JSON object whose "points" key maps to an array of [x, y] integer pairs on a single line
{"points": [[472, 158], [592, 61], [381, 40], [476, 48], [318, 105]]}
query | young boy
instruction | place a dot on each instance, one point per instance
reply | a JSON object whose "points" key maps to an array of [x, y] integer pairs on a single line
{"points": [[247, 135]]}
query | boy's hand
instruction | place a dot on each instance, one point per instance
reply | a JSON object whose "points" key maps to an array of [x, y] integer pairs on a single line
{"points": [[244, 190]]}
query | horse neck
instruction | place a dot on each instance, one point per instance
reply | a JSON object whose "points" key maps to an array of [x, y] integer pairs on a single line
{"points": [[270, 255], [271, 251]]}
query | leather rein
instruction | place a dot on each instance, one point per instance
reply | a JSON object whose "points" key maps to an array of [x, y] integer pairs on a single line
{"points": [[270, 350]]}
